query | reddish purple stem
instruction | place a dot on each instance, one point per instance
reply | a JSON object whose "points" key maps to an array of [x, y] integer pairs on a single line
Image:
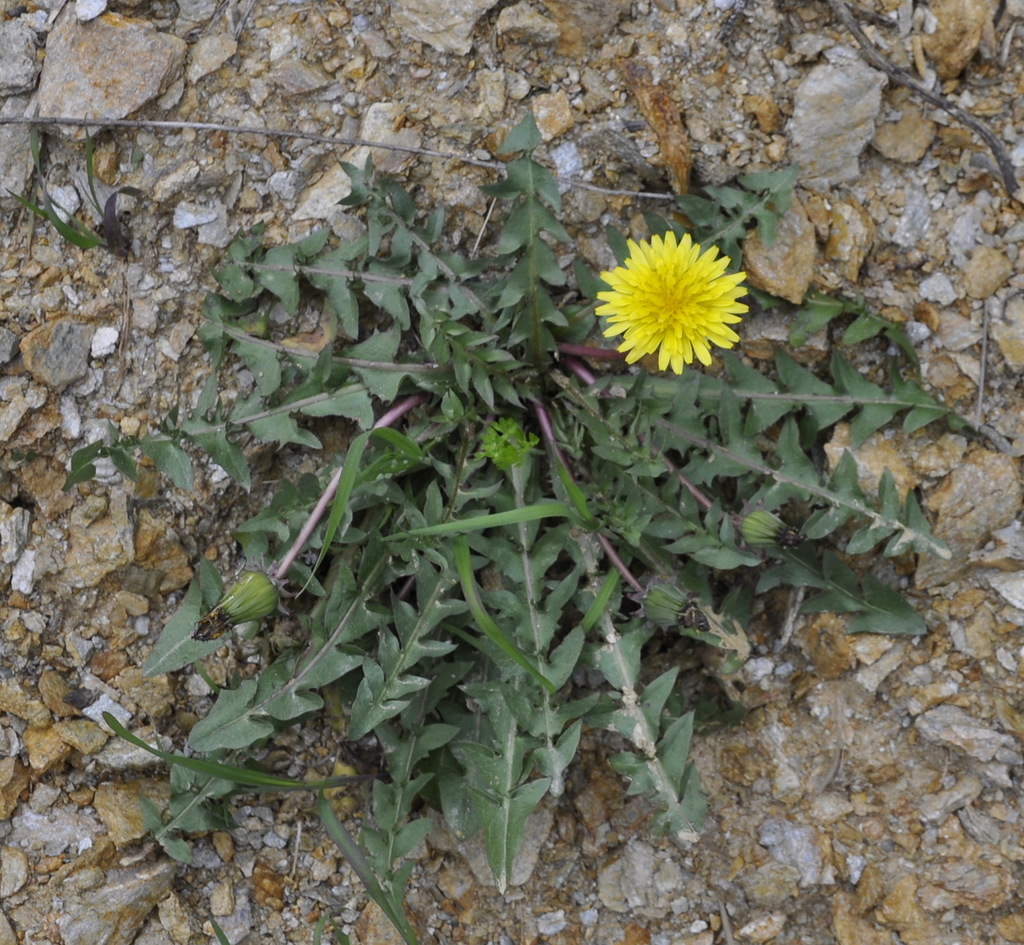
{"points": [[395, 413], [580, 370], [547, 431]]}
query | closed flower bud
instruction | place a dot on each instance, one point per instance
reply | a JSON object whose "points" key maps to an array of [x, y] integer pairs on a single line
{"points": [[761, 528], [664, 603], [253, 597]]}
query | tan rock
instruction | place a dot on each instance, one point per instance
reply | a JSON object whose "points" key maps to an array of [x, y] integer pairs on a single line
{"points": [[17, 703], [940, 455], [979, 496], [152, 693], [157, 548], [209, 53], [850, 927], [296, 77], [869, 889], [382, 122], [765, 110], [268, 886], [56, 353], [1011, 927], [83, 735], [14, 778], [828, 645], [321, 198], [553, 114], [14, 871], [53, 689], [118, 806], [1008, 332], [907, 139], [901, 911], [851, 236], [785, 268], [763, 336], [224, 844], [448, 27], [374, 927], [7, 933], [46, 749], [222, 899], [522, 23], [493, 90], [107, 664], [967, 883], [986, 271], [956, 40], [770, 884], [175, 919], [578, 23], [764, 928], [100, 543], [107, 68]]}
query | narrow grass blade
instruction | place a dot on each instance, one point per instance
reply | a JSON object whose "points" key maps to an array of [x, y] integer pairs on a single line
{"points": [[82, 238], [214, 769], [357, 860], [489, 628], [476, 523], [600, 604], [353, 460]]}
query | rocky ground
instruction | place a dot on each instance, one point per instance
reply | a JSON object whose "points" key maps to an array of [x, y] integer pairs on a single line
{"points": [[875, 794]]}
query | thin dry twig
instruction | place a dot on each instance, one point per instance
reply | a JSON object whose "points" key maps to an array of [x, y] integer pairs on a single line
{"points": [[483, 228], [796, 598], [872, 54], [723, 913], [306, 136], [979, 405], [240, 23]]}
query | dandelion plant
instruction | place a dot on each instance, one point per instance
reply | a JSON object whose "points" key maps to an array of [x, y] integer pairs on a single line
{"points": [[520, 512]]}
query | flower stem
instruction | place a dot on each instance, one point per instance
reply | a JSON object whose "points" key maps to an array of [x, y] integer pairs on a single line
{"points": [[395, 413], [580, 370], [548, 433]]}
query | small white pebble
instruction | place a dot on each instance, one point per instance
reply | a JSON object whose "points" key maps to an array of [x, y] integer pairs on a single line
{"points": [[938, 288], [104, 342], [87, 10], [70, 418], [23, 575], [551, 922], [758, 669], [188, 215]]}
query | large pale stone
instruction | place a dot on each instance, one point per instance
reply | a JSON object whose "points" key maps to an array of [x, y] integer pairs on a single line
{"points": [[106, 68], [448, 27], [834, 114]]}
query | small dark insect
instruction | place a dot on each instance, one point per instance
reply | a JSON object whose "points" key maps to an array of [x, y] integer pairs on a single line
{"points": [[81, 698], [789, 537], [212, 625], [693, 618]]}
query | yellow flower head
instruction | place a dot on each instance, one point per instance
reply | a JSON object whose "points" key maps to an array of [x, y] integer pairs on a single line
{"points": [[674, 299]]}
